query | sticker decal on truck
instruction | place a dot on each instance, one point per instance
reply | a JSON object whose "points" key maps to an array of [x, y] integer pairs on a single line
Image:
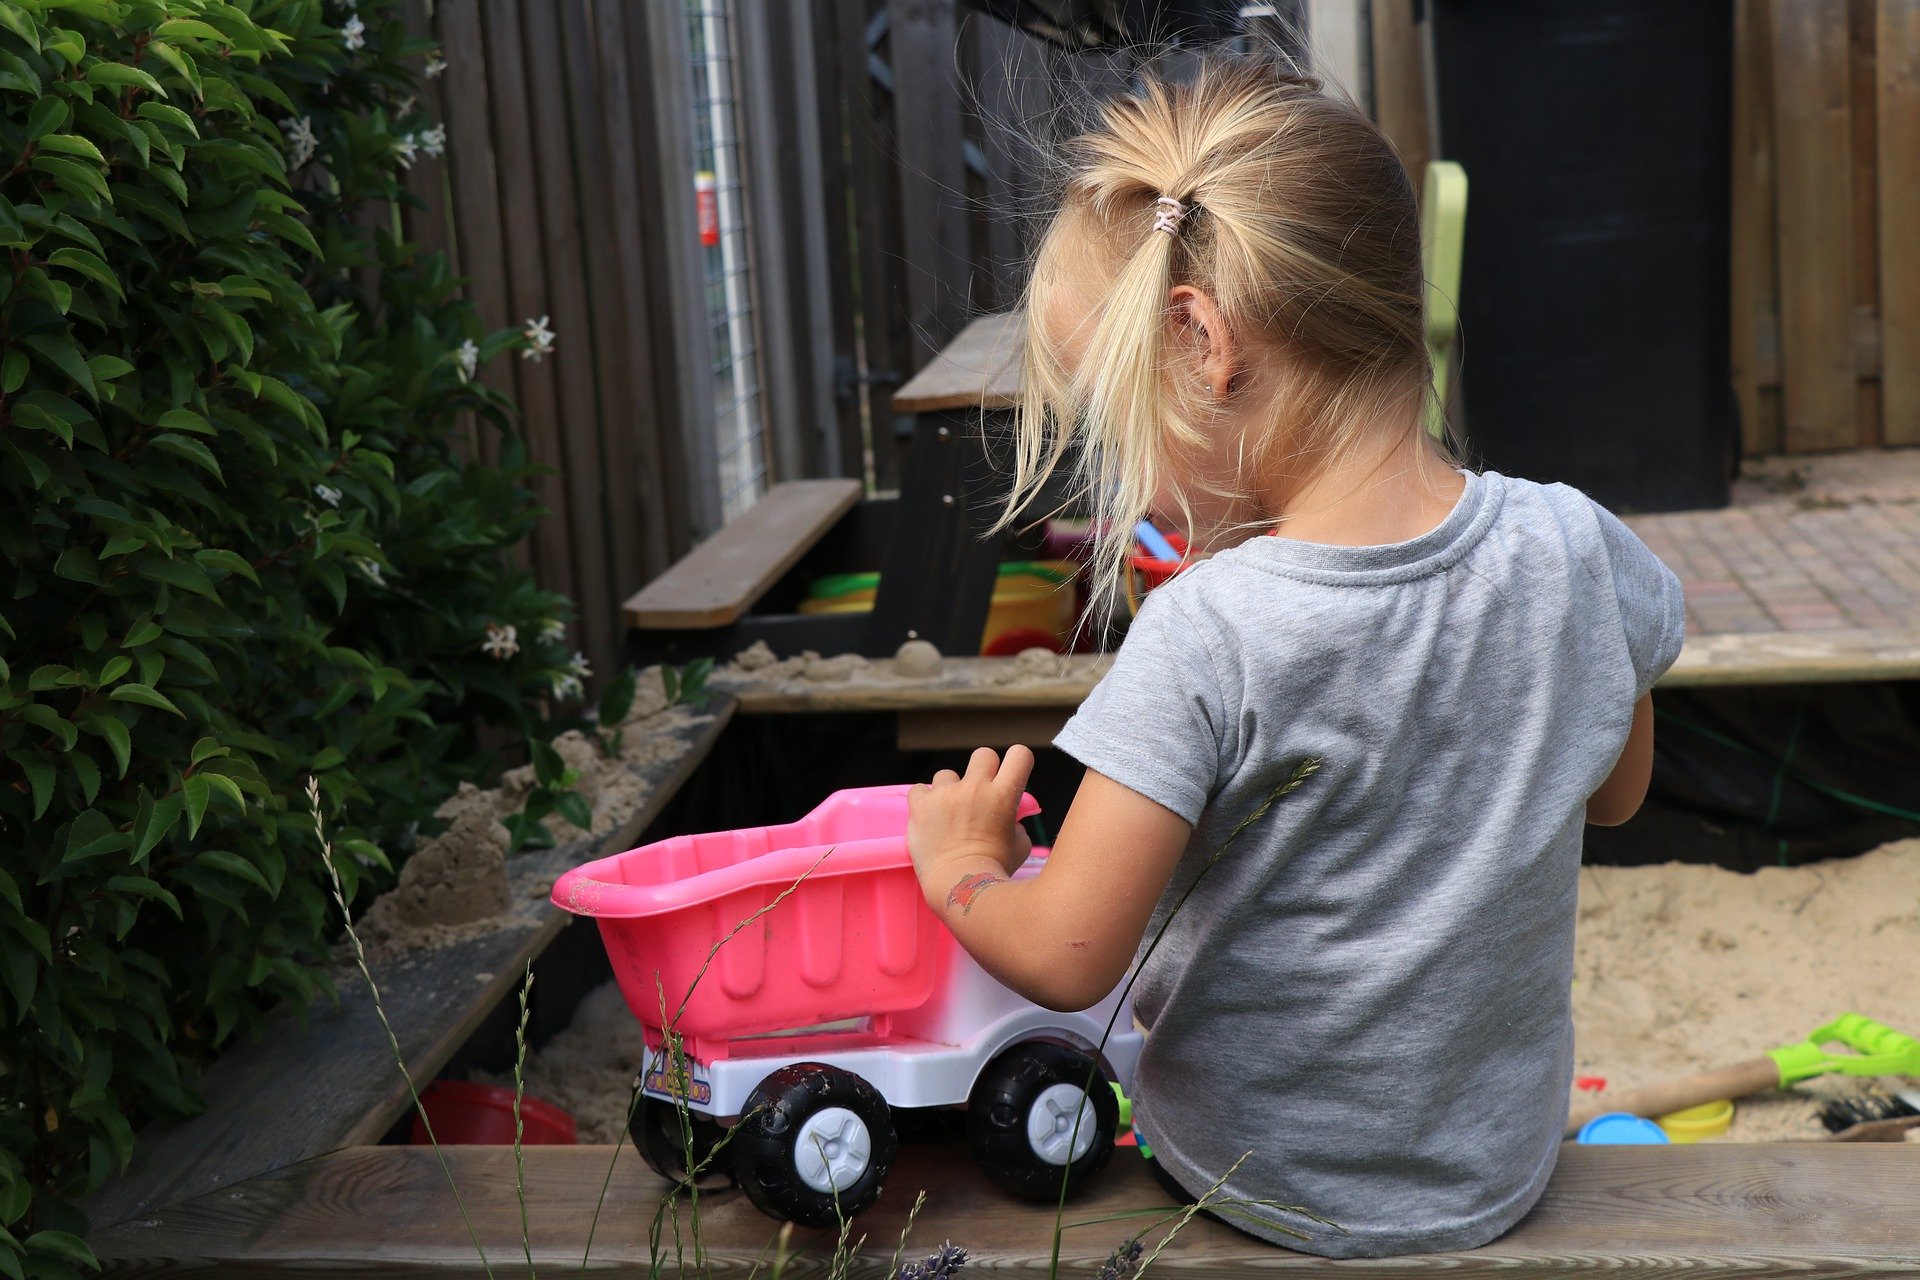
{"points": [[668, 1082]]}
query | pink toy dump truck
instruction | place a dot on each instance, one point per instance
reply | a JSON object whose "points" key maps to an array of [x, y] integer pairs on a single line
{"points": [[825, 1011]]}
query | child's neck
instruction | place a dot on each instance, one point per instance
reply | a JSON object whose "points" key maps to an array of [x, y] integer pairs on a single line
{"points": [[1371, 497]]}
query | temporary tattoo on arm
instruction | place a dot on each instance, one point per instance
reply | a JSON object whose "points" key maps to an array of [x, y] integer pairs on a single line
{"points": [[971, 887]]}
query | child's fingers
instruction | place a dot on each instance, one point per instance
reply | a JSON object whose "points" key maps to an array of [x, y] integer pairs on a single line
{"points": [[1015, 770], [982, 764], [945, 776]]}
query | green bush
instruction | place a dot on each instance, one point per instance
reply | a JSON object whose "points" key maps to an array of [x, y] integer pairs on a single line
{"points": [[242, 547]]}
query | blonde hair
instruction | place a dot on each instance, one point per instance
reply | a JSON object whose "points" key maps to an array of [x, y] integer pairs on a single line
{"points": [[1300, 223]]}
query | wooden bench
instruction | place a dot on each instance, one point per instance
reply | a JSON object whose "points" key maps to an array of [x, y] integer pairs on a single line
{"points": [[1699, 1211], [308, 1085], [719, 580]]}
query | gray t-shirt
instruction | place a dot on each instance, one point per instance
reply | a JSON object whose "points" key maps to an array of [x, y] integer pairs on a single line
{"points": [[1370, 990]]}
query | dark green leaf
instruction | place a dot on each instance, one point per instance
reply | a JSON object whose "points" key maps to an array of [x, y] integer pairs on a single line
{"points": [[115, 75], [59, 351], [185, 574], [145, 695]]}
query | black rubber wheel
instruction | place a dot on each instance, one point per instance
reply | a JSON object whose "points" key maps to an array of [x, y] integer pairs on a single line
{"points": [[1021, 1120], [657, 1136], [813, 1145]]}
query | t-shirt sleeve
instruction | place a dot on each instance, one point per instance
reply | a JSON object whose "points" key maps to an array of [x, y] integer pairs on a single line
{"points": [[1652, 607], [1156, 723]]}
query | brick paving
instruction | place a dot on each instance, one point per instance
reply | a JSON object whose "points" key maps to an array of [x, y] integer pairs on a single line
{"points": [[1811, 544]]}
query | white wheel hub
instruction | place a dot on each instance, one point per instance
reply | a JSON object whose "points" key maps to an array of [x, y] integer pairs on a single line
{"points": [[1061, 1124], [832, 1150]]}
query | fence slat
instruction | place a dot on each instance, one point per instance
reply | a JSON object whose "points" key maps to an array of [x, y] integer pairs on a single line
{"points": [[528, 297], [551, 177], [607, 301], [878, 234], [923, 43], [1400, 84], [1754, 296], [1862, 169], [1898, 42], [475, 186], [1812, 141]]}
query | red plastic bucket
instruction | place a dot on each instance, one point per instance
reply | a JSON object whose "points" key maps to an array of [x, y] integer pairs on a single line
{"points": [[467, 1113]]}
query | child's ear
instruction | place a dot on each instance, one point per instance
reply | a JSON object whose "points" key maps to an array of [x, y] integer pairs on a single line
{"points": [[1205, 337]]}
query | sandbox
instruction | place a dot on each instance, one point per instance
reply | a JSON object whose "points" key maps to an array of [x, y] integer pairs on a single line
{"points": [[1678, 967]]}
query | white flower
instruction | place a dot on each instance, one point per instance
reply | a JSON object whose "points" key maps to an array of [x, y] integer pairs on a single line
{"points": [[541, 339], [566, 686], [435, 65], [405, 148], [553, 631], [370, 570], [502, 641], [467, 356], [405, 106], [353, 33], [327, 494], [433, 143], [578, 667], [300, 140]]}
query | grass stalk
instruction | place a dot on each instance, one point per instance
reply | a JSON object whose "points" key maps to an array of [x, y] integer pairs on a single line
{"points": [[519, 1096], [669, 1034], [380, 1009], [1305, 769]]}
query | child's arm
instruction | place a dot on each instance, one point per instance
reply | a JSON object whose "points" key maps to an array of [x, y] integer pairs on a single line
{"points": [[1065, 937], [1621, 795]]}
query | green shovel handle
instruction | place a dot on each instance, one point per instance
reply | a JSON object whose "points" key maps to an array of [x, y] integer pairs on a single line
{"points": [[1878, 1050]]}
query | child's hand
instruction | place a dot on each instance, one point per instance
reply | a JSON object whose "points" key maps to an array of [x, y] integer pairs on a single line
{"points": [[964, 832]]}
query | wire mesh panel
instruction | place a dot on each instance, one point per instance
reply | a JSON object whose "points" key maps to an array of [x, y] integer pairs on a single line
{"points": [[739, 419]]}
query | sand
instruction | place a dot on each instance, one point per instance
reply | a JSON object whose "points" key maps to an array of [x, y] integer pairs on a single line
{"points": [[1678, 968], [916, 660], [456, 883]]}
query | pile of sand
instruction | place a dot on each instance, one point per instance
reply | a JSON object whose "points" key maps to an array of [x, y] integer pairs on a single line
{"points": [[916, 660], [456, 884], [1681, 968], [1678, 968]]}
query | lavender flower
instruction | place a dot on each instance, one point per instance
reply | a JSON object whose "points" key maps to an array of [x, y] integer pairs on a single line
{"points": [[938, 1266], [1123, 1262]]}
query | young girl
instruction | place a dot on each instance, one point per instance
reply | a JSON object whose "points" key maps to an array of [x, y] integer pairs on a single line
{"points": [[1366, 994]]}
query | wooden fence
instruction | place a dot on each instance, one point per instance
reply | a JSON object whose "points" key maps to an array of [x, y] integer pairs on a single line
{"points": [[886, 188], [1826, 233]]}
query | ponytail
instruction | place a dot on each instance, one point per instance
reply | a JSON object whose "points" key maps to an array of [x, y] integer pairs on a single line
{"points": [[1291, 211]]}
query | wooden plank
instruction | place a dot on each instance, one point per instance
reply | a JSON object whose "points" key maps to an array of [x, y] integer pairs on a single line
{"points": [[720, 579], [1754, 297], [554, 189], [874, 157], [474, 184], [630, 435], [989, 684], [1812, 139], [528, 297], [673, 264], [1898, 43], [966, 728], [309, 1085], [978, 369], [1711, 1210], [834, 107], [1399, 84], [922, 46], [1863, 118]]}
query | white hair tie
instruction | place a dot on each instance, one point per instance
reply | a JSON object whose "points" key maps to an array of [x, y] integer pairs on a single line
{"points": [[1167, 215]]}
